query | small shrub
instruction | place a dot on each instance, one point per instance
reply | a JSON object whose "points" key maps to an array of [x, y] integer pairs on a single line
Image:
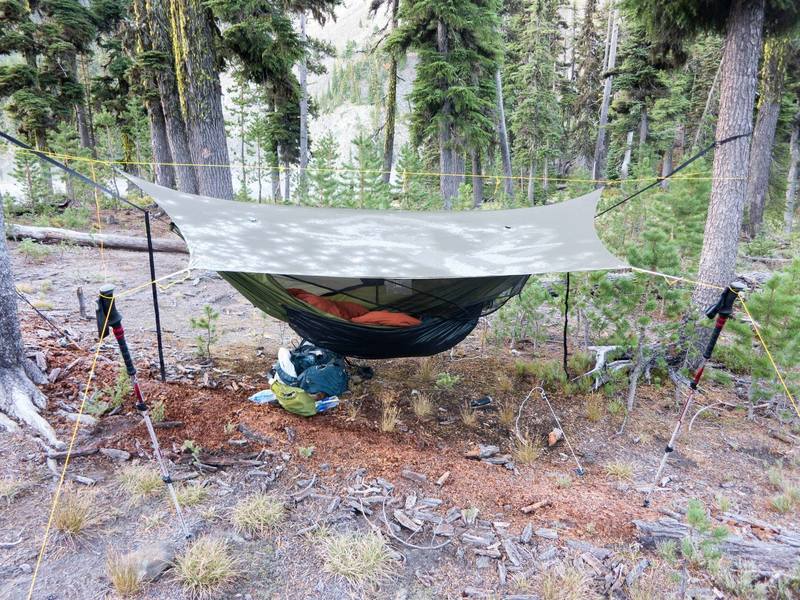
{"points": [[306, 451], [469, 416], [190, 494], [446, 381], [422, 405], [207, 325], [528, 451], [206, 567], [74, 512], [580, 362], [616, 407], [620, 470], [564, 481], [257, 514], [775, 476], [10, 489], [506, 413], [120, 391], [723, 503], [668, 550], [192, 447], [504, 384], [389, 415], [140, 482], [564, 582], [549, 372], [33, 251], [158, 412], [122, 571], [361, 559]]}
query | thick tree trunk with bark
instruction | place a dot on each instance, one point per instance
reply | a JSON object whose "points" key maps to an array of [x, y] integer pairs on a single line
{"points": [[165, 172], [764, 133], [157, 18], [791, 176], [600, 149], [502, 134], [448, 179], [20, 399], [391, 105], [737, 96], [197, 67]]}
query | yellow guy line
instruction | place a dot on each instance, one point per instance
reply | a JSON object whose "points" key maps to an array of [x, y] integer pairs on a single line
{"points": [[60, 485], [74, 435], [769, 355], [283, 168], [676, 278]]}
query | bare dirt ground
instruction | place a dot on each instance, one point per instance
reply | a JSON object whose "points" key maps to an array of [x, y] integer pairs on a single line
{"points": [[584, 523]]}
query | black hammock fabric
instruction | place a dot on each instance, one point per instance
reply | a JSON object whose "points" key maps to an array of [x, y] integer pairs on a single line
{"points": [[434, 335]]}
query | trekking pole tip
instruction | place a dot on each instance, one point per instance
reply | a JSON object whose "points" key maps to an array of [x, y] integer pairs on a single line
{"points": [[580, 471]]}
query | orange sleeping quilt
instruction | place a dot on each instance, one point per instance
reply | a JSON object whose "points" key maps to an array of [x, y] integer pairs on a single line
{"points": [[354, 312]]}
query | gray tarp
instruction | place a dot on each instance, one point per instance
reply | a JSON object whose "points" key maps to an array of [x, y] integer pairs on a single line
{"points": [[336, 242]]}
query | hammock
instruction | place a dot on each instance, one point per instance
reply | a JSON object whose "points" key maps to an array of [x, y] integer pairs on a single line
{"points": [[445, 268]]}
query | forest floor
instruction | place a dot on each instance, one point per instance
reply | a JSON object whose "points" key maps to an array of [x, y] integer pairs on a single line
{"points": [[340, 473]]}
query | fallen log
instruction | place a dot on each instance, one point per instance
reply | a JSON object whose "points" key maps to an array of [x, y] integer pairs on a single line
{"points": [[53, 235], [767, 556]]}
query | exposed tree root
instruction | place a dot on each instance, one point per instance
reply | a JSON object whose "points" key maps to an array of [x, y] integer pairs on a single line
{"points": [[20, 399]]}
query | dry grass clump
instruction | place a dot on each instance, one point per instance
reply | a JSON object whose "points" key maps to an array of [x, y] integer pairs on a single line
{"points": [[123, 573], [257, 514], [10, 490], [74, 512], [140, 482], [506, 413], [421, 404], [527, 451], [428, 368], [190, 495], [361, 559], [389, 416], [564, 582], [206, 567], [620, 470], [594, 408], [469, 416]]}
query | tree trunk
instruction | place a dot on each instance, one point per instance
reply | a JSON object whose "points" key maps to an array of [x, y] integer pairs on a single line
{"points": [[666, 168], [20, 399], [477, 179], [791, 176], [737, 96], [764, 132], [502, 134], [165, 172], [287, 178], [87, 86], [532, 183], [391, 106], [157, 19], [448, 179], [303, 75], [275, 174], [82, 123], [626, 160], [644, 129], [600, 149], [197, 67], [54, 235], [712, 92]]}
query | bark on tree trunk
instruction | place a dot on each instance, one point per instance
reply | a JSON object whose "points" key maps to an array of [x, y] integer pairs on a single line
{"points": [[303, 75], [600, 149], [626, 160], [791, 176], [448, 180], [644, 129], [502, 134], [477, 179], [165, 172], [666, 168], [197, 66], [737, 97], [532, 183], [287, 178], [20, 399], [275, 174], [391, 106], [764, 133], [157, 18]]}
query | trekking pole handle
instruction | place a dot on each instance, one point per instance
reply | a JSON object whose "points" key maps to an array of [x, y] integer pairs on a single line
{"points": [[108, 315], [722, 310]]}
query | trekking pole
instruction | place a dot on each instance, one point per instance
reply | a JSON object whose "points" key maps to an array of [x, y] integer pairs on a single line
{"points": [[722, 310], [108, 315]]}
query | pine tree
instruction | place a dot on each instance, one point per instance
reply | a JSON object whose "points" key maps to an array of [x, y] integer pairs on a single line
{"points": [[416, 191], [586, 91], [363, 180], [323, 173], [457, 43]]}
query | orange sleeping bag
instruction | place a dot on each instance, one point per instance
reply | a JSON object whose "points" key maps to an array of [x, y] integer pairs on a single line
{"points": [[354, 312]]}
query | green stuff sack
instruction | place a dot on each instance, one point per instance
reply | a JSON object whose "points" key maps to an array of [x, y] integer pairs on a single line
{"points": [[294, 399]]}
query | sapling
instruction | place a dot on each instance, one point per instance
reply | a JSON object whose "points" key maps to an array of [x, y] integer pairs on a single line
{"points": [[207, 325]]}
